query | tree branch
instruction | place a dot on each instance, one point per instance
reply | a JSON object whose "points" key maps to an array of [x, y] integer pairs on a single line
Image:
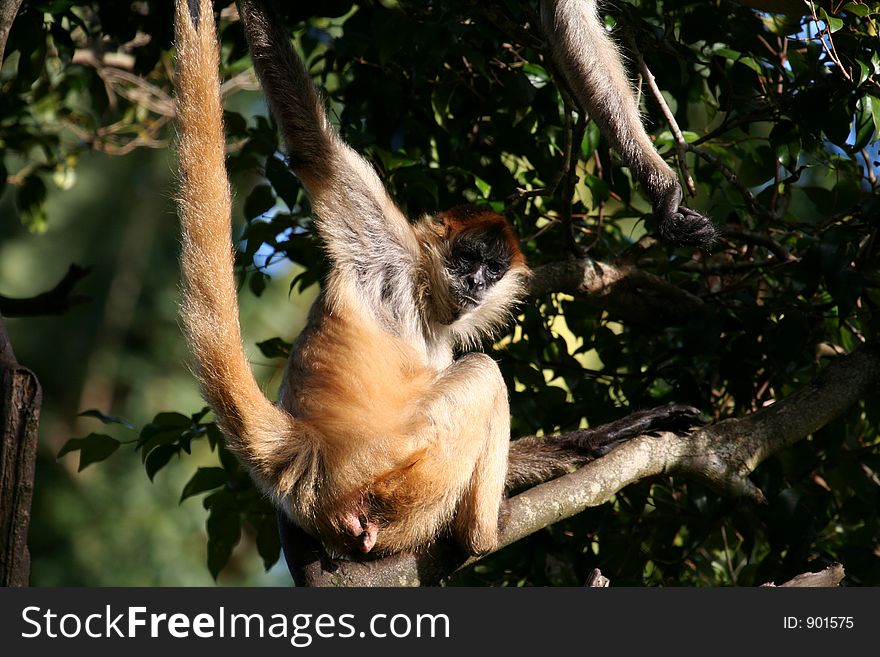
{"points": [[619, 288], [760, 211], [680, 143], [56, 301], [831, 576], [720, 455], [8, 11], [20, 399]]}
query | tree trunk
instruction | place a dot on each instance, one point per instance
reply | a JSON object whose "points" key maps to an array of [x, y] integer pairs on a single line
{"points": [[20, 398], [8, 10]]}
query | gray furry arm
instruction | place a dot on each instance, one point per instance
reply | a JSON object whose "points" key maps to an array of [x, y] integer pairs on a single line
{"points": [[354, 211]]}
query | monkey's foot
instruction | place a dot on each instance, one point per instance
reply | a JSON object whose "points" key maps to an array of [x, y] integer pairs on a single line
{"points": [[363, 529], [600, 440]]}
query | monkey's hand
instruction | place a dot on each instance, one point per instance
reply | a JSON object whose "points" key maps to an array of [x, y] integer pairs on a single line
{"points": [[679, 225], [599, 441]]}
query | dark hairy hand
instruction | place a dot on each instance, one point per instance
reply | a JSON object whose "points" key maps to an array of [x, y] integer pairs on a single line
{"points": [[679, 225]]}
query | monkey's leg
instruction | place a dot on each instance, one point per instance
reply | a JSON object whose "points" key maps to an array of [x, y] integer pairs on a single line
{"points": [[470, 411], [535, 459]]}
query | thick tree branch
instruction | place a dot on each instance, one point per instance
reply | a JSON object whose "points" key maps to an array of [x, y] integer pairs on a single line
{"points": [[620, 288], [720, 455], [831, 576]]}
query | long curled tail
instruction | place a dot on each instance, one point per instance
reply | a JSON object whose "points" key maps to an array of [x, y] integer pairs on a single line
{"points": [[264, 436]]}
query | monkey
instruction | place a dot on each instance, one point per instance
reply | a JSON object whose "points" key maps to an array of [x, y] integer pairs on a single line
{"points": [[385, 435]]}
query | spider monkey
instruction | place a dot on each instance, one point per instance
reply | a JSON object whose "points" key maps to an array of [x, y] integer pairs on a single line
{"points": [[382, 439]]}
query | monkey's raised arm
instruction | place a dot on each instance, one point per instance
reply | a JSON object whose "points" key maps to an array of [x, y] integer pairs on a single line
{"points": [[592, 68], [352, 207]]}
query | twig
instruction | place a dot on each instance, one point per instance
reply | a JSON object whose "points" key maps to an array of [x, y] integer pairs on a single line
{"points": [[760, 239], [869, 166], [734, 180], [729, 267], [56, 301], [575, 138], [730, 571], [495, 14], [680, 143], [830, 51]]}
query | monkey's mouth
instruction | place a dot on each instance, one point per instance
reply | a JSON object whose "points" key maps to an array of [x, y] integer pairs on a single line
{"points": [[468, 301]]}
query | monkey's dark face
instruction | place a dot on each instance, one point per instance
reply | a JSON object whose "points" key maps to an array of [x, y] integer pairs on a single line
{"points": [[477, 261]]}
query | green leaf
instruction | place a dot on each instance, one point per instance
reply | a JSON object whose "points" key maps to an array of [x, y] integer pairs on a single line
{"points": [[224, 530], [855, 8], [484, 187], [833, 23], [170, 420], [31, 200], [93, 448], [159, 458], [157, 439], [275, 348], [257, 283], [259, 202], [864, 122], [752, 63], [728, 53], [864, 72], [107, 419], [875, 113], [203, 480], [235, 123], [285, 184], [265, 523], [215, 437], [845, 286], [165, 428]]}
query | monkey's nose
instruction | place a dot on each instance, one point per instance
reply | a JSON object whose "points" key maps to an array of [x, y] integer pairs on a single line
{"points": [[476, 282]]}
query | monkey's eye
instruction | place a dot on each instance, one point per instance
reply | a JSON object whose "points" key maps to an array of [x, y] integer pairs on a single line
{"points": [[494, 270], [465, 260]]}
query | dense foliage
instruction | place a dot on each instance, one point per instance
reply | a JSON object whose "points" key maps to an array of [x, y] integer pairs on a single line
{"points": [[455, 102]]}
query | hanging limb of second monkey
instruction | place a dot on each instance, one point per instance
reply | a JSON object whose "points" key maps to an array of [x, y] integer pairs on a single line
{"points": [[593, 72]]}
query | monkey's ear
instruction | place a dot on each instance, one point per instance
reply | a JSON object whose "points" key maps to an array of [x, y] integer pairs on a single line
{"points": [[437, 225]]}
